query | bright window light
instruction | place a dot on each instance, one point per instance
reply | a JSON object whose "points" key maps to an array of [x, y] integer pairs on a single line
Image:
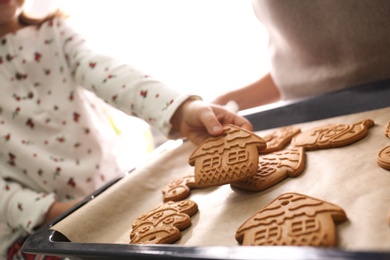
{"points": [[204, 47]]}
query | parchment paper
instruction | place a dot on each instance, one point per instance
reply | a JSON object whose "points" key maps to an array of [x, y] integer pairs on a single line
{"points": [[347, 176]]}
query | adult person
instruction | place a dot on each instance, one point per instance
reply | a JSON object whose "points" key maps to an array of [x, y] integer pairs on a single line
{"points": [[318, 46]]}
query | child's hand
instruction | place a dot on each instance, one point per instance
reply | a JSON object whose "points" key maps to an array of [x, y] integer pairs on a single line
{"points": [[197, 120]]}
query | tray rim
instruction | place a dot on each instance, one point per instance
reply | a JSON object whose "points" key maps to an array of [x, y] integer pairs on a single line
{"points": [[51, 242]]}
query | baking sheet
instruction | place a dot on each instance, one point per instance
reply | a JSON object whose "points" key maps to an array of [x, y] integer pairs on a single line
{"points": [[347, 176]]}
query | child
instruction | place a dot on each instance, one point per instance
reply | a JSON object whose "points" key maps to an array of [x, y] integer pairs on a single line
{"points": [[53, 144]]}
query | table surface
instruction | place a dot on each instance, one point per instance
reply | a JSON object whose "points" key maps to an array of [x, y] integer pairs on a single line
{"points": [[352, 100]]}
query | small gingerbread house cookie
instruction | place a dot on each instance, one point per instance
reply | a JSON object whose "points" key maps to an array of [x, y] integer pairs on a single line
{"points": [[293, 219], [230, 157], [163, 224]]}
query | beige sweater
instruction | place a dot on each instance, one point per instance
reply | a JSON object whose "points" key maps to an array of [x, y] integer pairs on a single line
{"points": [[317, 46]]}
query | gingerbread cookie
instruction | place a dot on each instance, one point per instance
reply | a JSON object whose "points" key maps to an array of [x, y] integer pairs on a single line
{"points": [[388, 217], [274, 168], [387, 130], [383, 158], [293, 219], [179, 189], [279, 138], [230, 157], [162, 225], [332, 136]]}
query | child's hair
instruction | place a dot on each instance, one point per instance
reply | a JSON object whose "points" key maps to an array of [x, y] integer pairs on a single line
{"points": [[25, 19]]}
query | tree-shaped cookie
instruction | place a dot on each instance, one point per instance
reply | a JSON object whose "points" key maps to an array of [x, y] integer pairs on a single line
{"points": [[331, 136], [274, 168], [230, 157], [179, 189], [293, 219], [163, 224], [279, 138]]}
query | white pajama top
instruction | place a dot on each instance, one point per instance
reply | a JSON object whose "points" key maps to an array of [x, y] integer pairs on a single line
{"points": [[52, 145]]}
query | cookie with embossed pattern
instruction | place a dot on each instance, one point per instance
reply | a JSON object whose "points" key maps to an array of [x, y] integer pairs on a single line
{"points": [[274, 168], [383, 158], [179, 189], [163, 224], [387, 130], [230, 157], [279, 138], [293, 219], [331, 136]]}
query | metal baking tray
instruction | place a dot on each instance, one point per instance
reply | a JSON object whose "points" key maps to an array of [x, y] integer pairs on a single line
{"points": [[352, 100]]}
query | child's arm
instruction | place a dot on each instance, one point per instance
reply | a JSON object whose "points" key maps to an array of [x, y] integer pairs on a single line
{"points": [[21, 207], [58, 208], [138, 94]]}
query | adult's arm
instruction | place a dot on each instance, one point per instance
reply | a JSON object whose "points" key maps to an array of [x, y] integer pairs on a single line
{"points": [[258, 93]]}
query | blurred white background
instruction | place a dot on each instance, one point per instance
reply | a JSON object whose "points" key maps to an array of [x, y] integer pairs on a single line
{"points": [[206, 47]]}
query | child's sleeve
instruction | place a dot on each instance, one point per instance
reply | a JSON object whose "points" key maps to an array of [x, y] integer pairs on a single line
{"points": [[21, 207], [124, 87]]}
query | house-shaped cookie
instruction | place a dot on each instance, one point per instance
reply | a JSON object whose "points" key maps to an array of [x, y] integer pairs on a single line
{"points": [[163, 224], [293, 219], [273, 168], [230, 157]]}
